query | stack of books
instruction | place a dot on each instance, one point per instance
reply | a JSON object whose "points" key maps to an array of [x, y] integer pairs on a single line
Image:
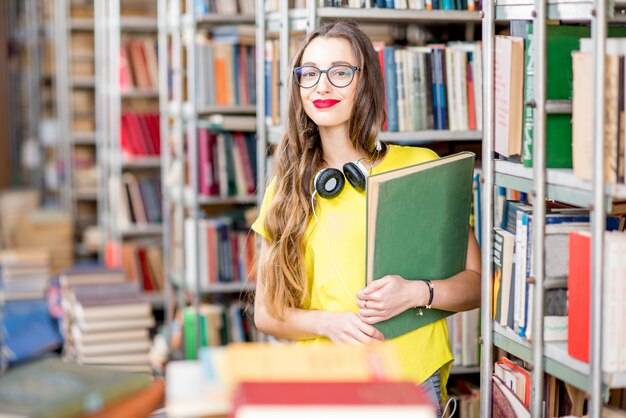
{"points": [[50, 230], [24, 274], [107, 320]]}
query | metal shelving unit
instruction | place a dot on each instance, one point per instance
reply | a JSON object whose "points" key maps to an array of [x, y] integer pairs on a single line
{"points": [[181, 116], [67, 26], [543, 183]]}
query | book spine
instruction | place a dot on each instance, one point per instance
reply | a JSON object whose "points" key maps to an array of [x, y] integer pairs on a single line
{"points": [[529, 112], [391, 89]]}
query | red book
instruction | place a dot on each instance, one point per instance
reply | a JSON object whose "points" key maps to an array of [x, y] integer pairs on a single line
{"points": [[471, 109], [579, 295], [155, 131], [242, 148], [203, 162], [136, 135], [331, 399], [146, 134], [145, 272]]}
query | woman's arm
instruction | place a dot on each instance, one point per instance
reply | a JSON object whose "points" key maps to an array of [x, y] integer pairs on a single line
{"points": [[392, 295], [339, 327]]}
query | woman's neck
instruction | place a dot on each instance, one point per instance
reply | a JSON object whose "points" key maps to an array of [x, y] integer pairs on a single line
{"points": [[337, 147]]}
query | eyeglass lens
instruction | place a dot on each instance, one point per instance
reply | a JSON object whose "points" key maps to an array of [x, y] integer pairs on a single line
{"points": [[338, 75]]}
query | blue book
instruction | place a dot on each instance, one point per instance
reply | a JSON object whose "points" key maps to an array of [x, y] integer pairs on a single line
{"points": [[391, 89], [439, 89], [201, 7], [28, 330]]}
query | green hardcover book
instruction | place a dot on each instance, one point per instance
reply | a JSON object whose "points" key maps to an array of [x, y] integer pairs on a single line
{"points": [[189, 332], [561, 41], [417, 227], [50, 388]]}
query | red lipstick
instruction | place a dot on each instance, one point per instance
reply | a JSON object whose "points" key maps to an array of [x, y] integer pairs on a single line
{"points": [[324, 103]]}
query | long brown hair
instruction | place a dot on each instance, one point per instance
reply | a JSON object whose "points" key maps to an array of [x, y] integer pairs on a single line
{"points": [[298, 157]]}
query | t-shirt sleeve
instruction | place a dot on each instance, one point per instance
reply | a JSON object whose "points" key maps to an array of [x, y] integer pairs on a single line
{"points": [[259, 224]]}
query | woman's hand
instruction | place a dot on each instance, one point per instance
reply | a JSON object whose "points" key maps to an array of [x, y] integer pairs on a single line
{"points": [[389, 296], [348, 328]]}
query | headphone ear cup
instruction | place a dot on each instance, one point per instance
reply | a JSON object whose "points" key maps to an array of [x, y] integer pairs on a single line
{"points": [[329, 182], [356, 173]]}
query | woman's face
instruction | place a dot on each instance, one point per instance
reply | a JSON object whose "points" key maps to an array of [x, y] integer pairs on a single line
{"points": [[328, 105]]}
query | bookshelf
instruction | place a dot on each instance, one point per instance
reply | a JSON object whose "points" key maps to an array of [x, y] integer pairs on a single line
{"points": [[76, 106], [560, 184], [128, 122], [204, 126]]}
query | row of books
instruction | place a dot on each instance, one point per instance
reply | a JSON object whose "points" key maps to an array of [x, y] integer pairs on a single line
{"points": [[140, 134], [226, 67], [138, 64], [433, 87], [82, 54], [512, 387], [582, 126], [405, 4], [84, 168], [569, 52], [429, 87], [513, 265], [139, 199], [566, 232], [227, 164], [106, 319], [225, 254], [463, 332], [83, 110], [224, 7], [220, 324], [142, 262]]}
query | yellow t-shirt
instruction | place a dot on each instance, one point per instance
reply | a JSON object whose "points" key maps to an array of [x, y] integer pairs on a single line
{"points": [[422, 351]]}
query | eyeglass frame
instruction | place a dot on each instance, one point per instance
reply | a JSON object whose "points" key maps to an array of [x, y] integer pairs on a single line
{"points": [[354, 68]]}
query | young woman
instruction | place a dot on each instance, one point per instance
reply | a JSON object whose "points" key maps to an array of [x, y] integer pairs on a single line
{"points": [[312, 259]]}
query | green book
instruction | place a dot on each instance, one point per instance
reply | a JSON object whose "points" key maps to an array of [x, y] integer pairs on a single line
{"points": [[417, 227], [50, 388], [189, 332], [561, 41]]}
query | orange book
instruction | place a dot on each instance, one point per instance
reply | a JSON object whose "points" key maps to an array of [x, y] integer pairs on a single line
{"points": [[221, 74], [137, 405]]}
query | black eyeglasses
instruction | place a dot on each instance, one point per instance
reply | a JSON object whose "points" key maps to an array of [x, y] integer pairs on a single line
{"points": [[339, 75]]}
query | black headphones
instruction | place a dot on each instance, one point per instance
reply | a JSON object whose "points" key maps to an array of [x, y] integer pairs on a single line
{"points": [[329, 182]]}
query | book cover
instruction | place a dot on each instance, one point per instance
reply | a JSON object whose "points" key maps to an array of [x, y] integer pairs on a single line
{"points": [[345, 399], [417, 227], [578, 295], [509, 80], [52, 388]]}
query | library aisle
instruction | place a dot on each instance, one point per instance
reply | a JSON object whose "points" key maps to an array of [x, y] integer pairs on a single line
{"points": [[138, 139]]}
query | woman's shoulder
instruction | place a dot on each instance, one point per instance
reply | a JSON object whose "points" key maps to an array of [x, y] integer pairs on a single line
{"points": [[406, 155]]}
